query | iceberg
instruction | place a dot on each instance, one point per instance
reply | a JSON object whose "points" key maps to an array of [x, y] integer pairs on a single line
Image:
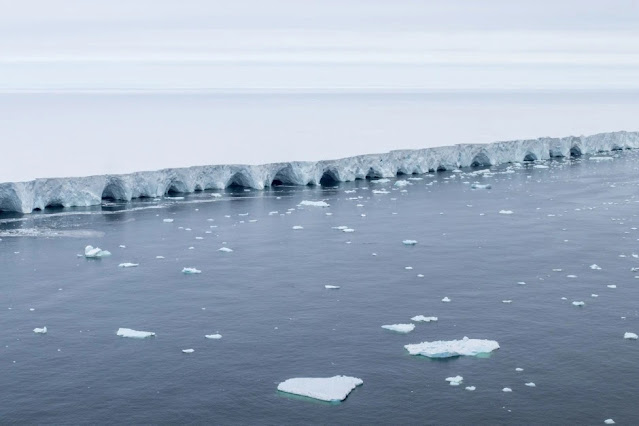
{"points": [[627, 335], [328, 389], [95, 253], [134, 334], [452, 348], [24, 197], [400, 328]]}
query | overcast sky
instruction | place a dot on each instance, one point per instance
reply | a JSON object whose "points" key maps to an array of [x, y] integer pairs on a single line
{"points": [[321, 44], [541, 68]]}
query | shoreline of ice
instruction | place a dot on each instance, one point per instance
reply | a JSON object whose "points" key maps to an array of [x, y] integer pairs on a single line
{"points": [[38, 194]]}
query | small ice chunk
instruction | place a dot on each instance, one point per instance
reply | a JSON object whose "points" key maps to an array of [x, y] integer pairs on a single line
{"points": [[122, 246], [314, 203], [380, 191], [127, 332], [609, 421], [627, 335], [213, 336], [128, 265], [506, 301], [400, 328], [409, 242], [507, 390], [506, 212], [519, 369], [470, 388], [43, 330], [159, 257], [611, 286], [575, 303], [480, 186], [95, 253], [188, 351], [190, 271], [225, 249], [348, 230], [422, 318], [380, 180], [168, 220], [530, 384], [452, 348], [408, 268], [455, 381], [297, 227], [328, 389], [595, 267], [331, 287], [446, 299]]}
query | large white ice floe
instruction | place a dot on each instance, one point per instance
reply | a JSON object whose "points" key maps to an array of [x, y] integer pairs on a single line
{"points": [[452, 348], [24, 197], [43, 330], [191, 271], [128, 265], [400, 328], [314, 203], [422, 318], [334, 388], [91, 252], [627, 335], [135, 334]]}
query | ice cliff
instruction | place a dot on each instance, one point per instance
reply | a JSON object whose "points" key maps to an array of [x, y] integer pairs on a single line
{"points": [[24, 197]]}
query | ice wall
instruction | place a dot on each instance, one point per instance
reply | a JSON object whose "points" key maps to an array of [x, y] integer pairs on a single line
{"points": [[24, 197]]}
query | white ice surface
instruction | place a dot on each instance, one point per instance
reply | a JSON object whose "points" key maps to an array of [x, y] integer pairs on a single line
{"points": [[452, 348], [24, 197], [127, 332], [213, 336], [95, 253], [422, 318], [334, 388], [128, 265], [314, 203], [42, 330], [400, 328], [190, 271], [630, 336]]}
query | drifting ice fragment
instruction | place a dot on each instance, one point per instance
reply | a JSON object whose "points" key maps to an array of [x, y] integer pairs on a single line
{"points": [[409, 242], [190, 271], [380, 180], [348, 230], [297, 227], [168, 220], [455, 381], [480, 186], [43, 330], [446, 299], [314, 203], [213, 336], [422, 318], [95, 253], [611, 286], [629, 336], [225, 249], [578, 303], [609, 421], [400, 328], [470, 388], [188, 351], [127, 332], [505, 212], [595, 267], [452, 348], [331, 287], [531, 384], [128, 265], [519, 369], [328, 389], [507, 390]]}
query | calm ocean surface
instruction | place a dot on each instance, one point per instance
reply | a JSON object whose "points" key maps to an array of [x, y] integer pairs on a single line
{"points": [[267, 299]]}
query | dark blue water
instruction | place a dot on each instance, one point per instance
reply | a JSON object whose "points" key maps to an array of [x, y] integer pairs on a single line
{"points": [[267, 299]]}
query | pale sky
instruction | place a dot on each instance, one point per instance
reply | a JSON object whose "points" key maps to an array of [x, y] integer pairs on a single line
{"points": [[72, 75]]}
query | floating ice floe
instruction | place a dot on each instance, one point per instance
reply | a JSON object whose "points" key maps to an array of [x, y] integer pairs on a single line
{"points": [[380, 191], [507, 390], [400, 328], [188, 351], [168, 220], [213, 336], [519, 369], [134, 334], [43, 330], [402, 183], [600, 158], [331, 287], [298, 227], [95, 253], [225, 249], [530, 384], [595, 267], [609, 421], [627, 335], [128, 265], [380, 180], [190, 271], [314, 203], [470, 388], [506, 301], [455, 381], [611, 286], [446, 299], [452, 348], [576, 303], [480, 186], [409, 242], [327, 389], [506, 212], [422, 318]]}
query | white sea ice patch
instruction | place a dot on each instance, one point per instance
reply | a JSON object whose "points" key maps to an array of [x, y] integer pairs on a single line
{"points": [[519, 369], [530, 384], [128, 265], [213, 336], [611, 286], [168, 220], [595, 267], [42, 330], [402, 183], [380, 180], [446, 299], [470, 388], [334, 388], [577, 303], [95, 253], [314, 203], [134, 334], [409, 242], [422, 318], [400, 328], [630, 336], [225, 249], [298, 227], [481, 186], [452, 348], [331, 287], [455, 381], [609, 421], [506, 212], [188, 351], [600, 158], [348, 230], [380, 191], [190, 271], [507, 390]]}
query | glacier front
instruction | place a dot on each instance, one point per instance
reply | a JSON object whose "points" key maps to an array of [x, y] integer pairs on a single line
{"points": [[24, 197]]}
